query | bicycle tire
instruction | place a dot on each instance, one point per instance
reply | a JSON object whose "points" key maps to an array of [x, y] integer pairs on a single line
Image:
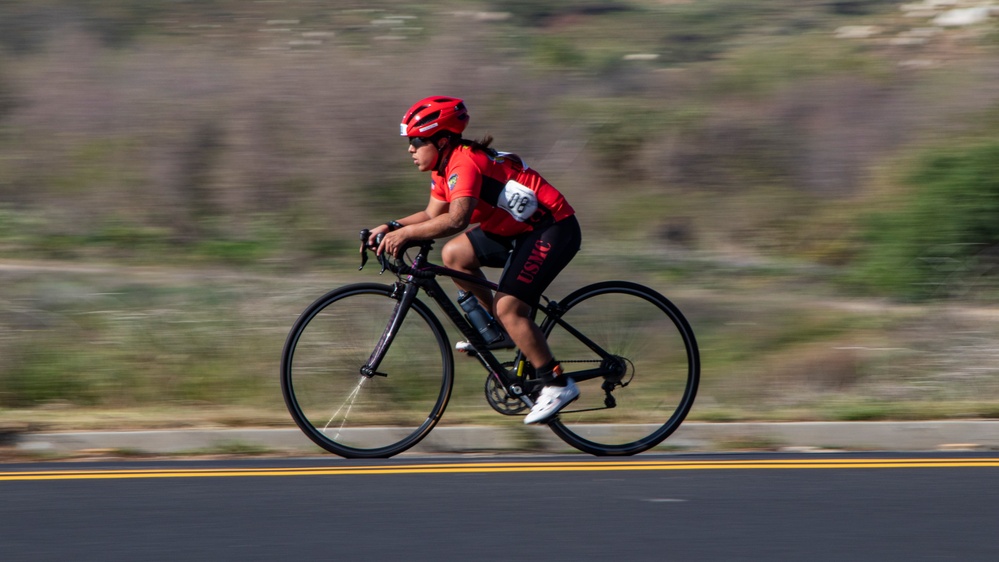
{"points": [[345, 412], [657, 343]]}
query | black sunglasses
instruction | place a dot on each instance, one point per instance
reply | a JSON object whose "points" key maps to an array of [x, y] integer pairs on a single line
{"points": [[418, 142]]}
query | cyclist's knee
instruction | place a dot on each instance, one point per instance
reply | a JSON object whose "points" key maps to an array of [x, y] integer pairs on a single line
{"points": [[508, 306], [458, 253]]}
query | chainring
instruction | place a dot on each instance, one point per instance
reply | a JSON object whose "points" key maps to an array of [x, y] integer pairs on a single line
{"points": [[500, 399]]}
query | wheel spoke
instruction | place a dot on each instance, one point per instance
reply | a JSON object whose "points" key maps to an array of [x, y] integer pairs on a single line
{"points": [[349, 403], [643, 329], [371, 416]]}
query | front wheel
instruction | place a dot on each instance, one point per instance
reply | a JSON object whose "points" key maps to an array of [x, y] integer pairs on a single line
{"points": [[654, 352], [346, 412]]}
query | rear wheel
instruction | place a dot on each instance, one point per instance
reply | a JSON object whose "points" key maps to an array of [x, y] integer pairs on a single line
{"points": [[657, 361], [351, 414]]}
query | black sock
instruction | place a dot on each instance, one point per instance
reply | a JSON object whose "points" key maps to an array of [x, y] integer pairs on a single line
{"points": [[551, 374]]}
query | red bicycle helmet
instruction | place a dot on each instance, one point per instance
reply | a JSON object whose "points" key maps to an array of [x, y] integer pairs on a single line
{"points": [[432, 115]]}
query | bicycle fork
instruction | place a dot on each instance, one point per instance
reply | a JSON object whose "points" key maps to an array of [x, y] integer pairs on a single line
{"points": [[404, 301]]}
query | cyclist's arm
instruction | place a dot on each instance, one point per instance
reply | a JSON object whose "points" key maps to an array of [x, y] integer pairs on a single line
{"points": [[442, 219], [415, 218], [445, 218]]}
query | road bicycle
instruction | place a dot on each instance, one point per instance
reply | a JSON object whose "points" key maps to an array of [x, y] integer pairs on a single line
{"points": [[367, 369]]}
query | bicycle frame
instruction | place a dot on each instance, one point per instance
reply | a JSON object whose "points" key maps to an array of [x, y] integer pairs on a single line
{"points": [[422, 275]]}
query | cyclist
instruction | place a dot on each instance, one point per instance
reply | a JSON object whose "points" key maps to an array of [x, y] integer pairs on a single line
{"points": [[524, 225]]}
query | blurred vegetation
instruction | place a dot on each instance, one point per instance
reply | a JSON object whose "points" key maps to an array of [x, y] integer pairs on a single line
{"points": [[814, 182], [946, 232]]}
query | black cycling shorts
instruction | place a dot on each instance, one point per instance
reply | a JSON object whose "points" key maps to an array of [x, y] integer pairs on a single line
{"points": [[530, 261]]}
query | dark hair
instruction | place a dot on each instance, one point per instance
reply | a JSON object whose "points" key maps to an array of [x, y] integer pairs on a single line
{"points": [[481, 144], [457, 140]]}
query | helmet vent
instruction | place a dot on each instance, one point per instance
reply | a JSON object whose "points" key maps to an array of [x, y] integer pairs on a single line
{"points": [[428, 118]]}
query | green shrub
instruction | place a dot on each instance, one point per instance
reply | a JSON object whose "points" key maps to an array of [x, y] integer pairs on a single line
{"points": [[47, 370], [952, 215]]}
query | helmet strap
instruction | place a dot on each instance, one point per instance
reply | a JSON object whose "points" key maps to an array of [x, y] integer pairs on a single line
{"points": [[443, 153]]}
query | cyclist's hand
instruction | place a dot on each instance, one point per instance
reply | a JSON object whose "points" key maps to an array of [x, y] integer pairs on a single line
{"points": [[373, 236], [393, 243]]}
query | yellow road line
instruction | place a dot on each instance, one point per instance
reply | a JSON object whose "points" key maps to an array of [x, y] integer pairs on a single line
{"points": [[486, 467]]}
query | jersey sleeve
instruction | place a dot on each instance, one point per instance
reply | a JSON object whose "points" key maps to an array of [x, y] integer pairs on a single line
{"points": [[438, 191], [464, 179]]}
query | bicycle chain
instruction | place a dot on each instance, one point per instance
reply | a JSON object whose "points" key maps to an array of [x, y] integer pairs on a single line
{"points": [[509, 405], [504, 402]]}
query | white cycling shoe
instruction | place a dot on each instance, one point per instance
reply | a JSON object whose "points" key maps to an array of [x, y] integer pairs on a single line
{"points": [[551, 401], [505, 343]]}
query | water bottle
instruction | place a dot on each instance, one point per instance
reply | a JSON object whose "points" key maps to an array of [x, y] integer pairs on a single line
{"points": [[480, 319]]}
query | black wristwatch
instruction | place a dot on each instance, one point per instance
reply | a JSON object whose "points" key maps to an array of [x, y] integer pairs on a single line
{"points": [[393, 225]]}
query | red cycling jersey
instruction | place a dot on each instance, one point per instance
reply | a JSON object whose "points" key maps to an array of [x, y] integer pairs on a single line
{"points": [[512, 198]]}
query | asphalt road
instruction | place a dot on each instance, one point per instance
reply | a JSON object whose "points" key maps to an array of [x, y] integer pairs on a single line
{"points": [[652, 507]]}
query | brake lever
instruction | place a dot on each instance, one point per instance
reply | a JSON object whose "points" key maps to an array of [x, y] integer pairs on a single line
{"points": [[364, 247], [365, 234], [382, 258]]}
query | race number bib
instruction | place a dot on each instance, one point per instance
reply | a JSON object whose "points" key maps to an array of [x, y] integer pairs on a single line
{"points": [[518, 200]]}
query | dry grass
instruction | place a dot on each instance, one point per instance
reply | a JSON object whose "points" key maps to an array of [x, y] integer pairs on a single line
{"points": [[264, 136]]}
